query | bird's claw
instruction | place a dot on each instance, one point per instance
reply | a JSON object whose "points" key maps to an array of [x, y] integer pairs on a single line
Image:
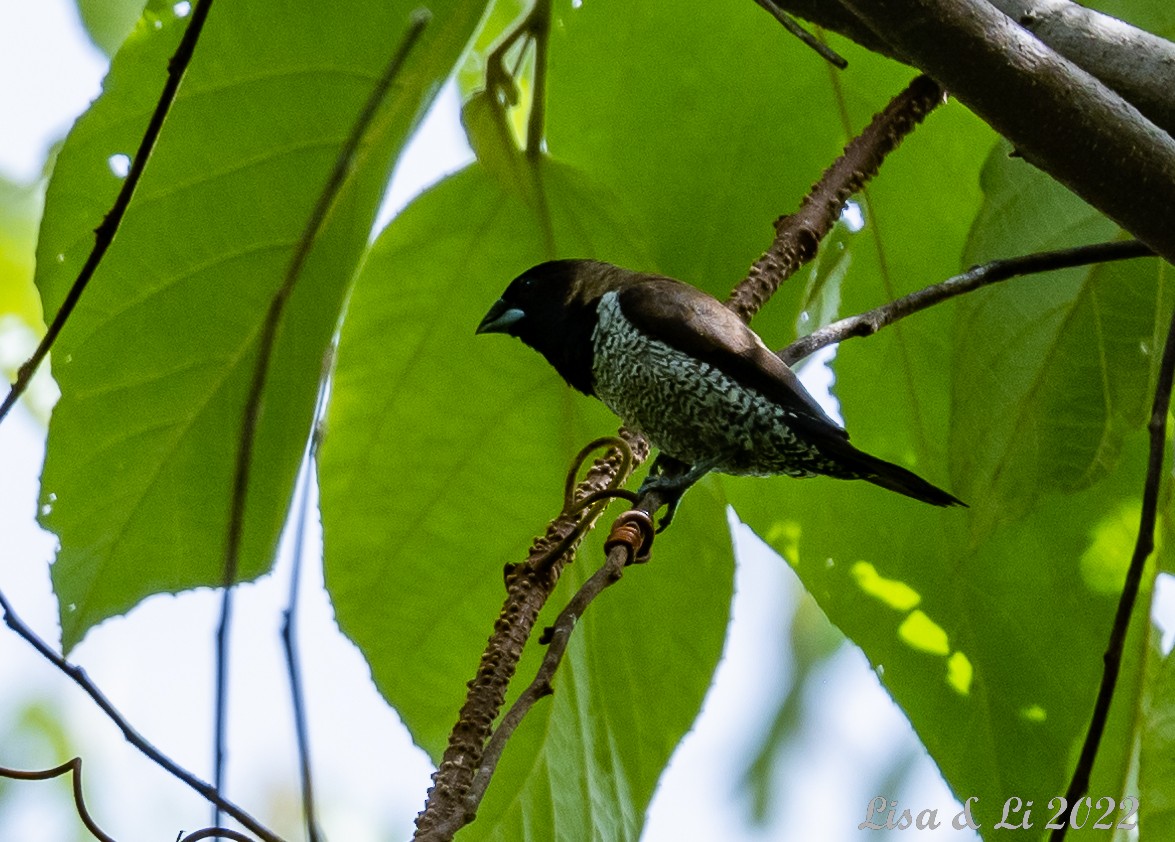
{"points": [[670, 479]]}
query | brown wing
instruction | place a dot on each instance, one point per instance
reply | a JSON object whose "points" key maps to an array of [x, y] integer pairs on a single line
{"points": [[698, 324]]}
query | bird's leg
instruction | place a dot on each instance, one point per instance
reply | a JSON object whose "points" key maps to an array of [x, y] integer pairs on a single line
{"points": [[671, 478]]}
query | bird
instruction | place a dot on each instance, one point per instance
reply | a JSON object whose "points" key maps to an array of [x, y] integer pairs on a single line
{"points": [[678, 366]]}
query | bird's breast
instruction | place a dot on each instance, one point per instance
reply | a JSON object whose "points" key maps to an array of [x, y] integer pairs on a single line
{"points": [[688, 408]]}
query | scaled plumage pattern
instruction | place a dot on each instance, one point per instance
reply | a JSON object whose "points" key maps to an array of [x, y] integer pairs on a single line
{"points": [[678, 366]]}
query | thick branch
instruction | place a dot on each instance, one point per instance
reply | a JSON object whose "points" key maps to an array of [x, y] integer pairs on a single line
{"points": [[1138, 65], [1059, 117]]}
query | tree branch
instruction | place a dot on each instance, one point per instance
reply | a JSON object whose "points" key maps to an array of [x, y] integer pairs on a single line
{"points": [[868, 323], [1059, 117], [1138, 65], [620, 553], [104, 233], [273, 317]]}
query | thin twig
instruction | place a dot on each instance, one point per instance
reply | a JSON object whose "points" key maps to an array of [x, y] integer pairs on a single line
{"points": [[500, 82], [104, 233], [79, 677], [807, 38], [289, 631], [503, 93], [868, 323], [252, 411], [1143, 547]]}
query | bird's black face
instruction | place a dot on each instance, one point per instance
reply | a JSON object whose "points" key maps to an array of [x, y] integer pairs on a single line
{"points": [[534, 305], [543, 308]]}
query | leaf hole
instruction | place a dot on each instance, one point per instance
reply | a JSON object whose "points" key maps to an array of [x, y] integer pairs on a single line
{"points": [[119, 164]]}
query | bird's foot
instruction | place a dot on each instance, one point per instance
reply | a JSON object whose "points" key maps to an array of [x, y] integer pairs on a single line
{"points": [[670, 479]]}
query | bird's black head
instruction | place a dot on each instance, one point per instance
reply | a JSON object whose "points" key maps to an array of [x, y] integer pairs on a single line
{"points": [[552, 308]]}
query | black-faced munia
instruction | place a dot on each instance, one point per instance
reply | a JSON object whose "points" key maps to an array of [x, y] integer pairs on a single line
{"points": [[678, 366]]}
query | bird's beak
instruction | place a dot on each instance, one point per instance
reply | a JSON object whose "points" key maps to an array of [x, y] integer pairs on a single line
{"points": [[501, 318]]}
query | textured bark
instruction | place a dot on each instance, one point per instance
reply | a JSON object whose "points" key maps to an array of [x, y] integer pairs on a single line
{"points": [[1139, 66]]}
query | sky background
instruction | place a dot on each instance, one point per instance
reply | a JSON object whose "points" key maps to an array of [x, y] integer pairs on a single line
{"points": [[156, 663]]}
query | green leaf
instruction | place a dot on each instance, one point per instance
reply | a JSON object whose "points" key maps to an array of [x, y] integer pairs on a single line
{"points": [[1052, 371], [445, 453], [155, 362]]}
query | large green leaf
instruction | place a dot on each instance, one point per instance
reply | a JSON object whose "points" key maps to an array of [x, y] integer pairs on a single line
{"points": [[993, 652], [445, 455], [155, 362]]}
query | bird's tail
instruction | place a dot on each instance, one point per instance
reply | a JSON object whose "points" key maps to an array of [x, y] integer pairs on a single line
{"points": [[895, 478]]}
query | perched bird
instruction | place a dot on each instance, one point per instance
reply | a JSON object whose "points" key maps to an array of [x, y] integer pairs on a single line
{"points": [[678, 366]]}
